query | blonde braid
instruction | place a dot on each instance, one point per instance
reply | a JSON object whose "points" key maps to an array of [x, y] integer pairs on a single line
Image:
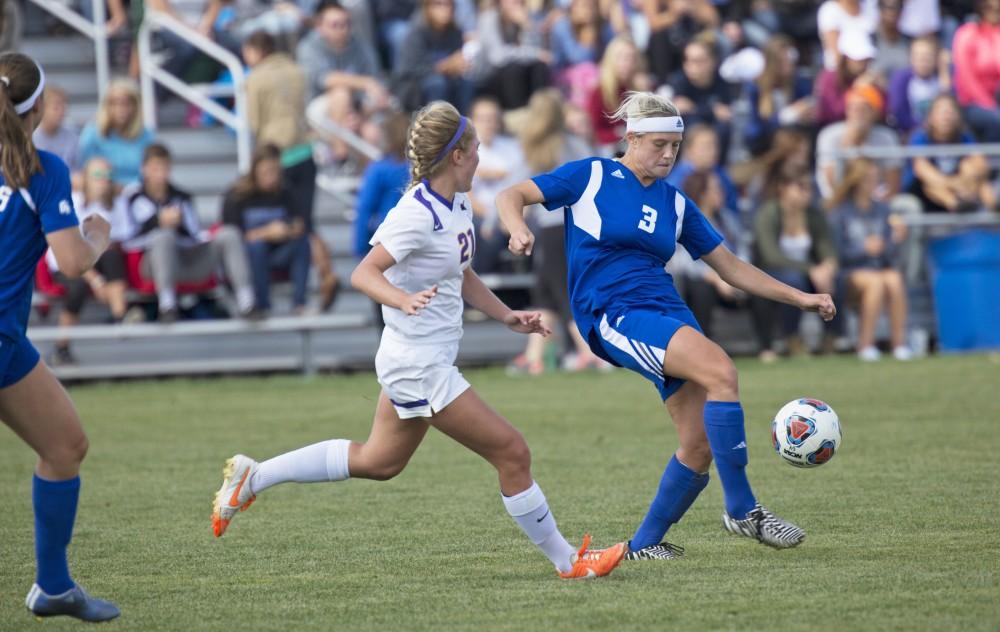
{"points": [[431, 130]]}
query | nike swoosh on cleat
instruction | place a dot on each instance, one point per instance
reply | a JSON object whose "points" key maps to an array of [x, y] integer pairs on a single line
{"points": [[590, 573], [234, 499], [543, 516]]}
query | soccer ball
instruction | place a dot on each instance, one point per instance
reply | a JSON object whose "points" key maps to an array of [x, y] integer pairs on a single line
{"points": [[806, 432]]}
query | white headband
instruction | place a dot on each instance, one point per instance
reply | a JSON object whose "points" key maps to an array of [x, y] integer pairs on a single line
{"points": [[28, 103], [655, 124]]}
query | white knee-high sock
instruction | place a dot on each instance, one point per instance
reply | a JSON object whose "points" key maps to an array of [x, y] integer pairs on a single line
{"points": [[531, 512], [319, 462]]}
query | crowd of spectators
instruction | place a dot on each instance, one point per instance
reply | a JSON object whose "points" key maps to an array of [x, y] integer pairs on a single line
{"points": [[772, 91]]}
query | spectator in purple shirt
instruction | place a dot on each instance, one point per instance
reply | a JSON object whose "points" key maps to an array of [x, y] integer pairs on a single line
{"points": [[912, 89]]}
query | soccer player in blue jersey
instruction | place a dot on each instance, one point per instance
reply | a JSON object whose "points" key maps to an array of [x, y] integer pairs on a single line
{"points": [[36, 212], [623, 223]]}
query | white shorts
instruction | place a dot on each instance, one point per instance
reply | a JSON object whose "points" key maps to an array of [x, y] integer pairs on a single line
{"points": [[420, 379]]}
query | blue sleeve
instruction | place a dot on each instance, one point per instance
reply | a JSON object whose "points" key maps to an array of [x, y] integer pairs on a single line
{"points": [[367, 201], [698, 236], [52, 194], [565, 185]]}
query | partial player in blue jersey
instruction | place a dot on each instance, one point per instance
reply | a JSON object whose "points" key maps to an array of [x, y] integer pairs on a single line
{"points": [[623, 223], [36, 212]]}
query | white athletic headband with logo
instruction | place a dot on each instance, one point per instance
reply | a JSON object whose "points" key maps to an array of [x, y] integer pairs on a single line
{"points": [[655, 124], [28, 103]]}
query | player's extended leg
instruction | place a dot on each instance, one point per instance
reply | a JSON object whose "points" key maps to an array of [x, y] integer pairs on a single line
{"points": [[683, 479], [693, 357], [39, 410], [390, 445], [470, 421]]}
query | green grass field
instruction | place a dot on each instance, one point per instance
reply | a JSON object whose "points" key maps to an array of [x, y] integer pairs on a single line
{"points": [[902, 525]]}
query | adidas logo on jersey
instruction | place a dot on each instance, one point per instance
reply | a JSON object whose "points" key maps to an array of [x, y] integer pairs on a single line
{"points": [[618, 174], [740, 446]]}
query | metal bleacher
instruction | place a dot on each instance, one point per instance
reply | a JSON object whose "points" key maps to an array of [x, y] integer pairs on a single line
{"points": [[205, 164]]}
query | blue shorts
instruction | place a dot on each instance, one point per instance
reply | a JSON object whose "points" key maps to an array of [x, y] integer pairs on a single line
{"points": [[637, 338], [17, 358]]}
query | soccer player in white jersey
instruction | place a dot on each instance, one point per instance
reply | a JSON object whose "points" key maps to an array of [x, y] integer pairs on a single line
{"points": [[623, 222], [419, 271], [36, 212]]}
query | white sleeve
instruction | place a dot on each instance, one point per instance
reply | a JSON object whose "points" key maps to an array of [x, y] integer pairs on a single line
{"points": [[405, 229], [829, 17]]}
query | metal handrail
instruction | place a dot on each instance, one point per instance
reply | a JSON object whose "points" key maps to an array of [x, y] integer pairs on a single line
{"points": [[913, 151], [316, 116], [96, 30], [150, 71], [305, 327], [985, 219]]}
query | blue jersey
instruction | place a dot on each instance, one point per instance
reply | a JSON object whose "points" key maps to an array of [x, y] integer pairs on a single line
{"points": [[26, 216], [620, 235]]}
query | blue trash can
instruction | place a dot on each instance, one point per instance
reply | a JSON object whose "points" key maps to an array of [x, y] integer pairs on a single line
{"points": [[965, 272]]}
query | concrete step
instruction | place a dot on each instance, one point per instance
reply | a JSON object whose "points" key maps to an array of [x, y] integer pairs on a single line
{"points": [[61, 52], [204, 178], [339, 237], [211, 144], [81, 85]]}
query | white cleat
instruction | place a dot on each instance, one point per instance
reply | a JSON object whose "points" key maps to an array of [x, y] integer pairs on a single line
{"points": [[765, 527], [869, 354], [234, 495], [902, 353]]}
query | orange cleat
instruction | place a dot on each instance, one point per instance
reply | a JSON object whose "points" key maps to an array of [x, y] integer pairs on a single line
{"points": [[595, 563], [234, 495]]}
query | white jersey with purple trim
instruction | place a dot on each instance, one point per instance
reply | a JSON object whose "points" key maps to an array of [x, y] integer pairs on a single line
{"points": [[433, 242]]}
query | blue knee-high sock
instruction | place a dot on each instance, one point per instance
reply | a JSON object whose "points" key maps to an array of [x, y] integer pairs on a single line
{"points": [[55, 513], [679, 486], [728, 440]]}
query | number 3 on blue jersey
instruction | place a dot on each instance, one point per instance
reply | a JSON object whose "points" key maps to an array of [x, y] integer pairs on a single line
{"points": [[648, 221]]}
